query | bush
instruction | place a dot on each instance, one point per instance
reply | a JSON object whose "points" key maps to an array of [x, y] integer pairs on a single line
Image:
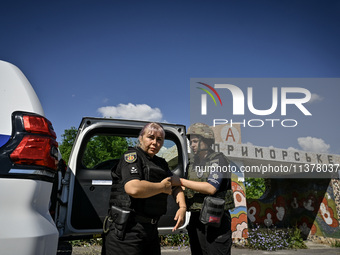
{"points": [[87, 242], [272, 239], [295, 240], [336, 244], [179, 240], [255, 187]]}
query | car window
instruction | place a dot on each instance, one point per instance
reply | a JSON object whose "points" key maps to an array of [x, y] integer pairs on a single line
{"points": [[103, 150]]}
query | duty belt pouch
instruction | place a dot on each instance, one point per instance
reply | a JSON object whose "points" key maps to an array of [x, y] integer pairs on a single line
{"points": [[212, 211], [229, 200], [119, 218]]}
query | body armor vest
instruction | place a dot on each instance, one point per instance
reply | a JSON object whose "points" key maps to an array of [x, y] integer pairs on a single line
{"points": [[154, 206], [200, 173]]}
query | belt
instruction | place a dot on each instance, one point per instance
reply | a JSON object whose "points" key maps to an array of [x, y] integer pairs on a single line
{"points": [[145, 220]]}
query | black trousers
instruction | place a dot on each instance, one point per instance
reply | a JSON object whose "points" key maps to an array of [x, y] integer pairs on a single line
{"points": [[209, 240], [140, 239]]}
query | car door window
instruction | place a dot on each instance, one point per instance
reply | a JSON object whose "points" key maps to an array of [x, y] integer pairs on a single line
{"points": [[102, 150]]}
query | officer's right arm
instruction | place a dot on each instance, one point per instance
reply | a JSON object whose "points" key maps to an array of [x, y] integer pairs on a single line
{"points": [[201, 187], [144, 189]]}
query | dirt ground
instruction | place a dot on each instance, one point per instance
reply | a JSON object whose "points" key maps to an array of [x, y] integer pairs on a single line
{"points": [[92, 250], [67, 249], [313, 248]]}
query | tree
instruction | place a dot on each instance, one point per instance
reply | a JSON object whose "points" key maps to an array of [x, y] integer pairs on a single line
{"points": [[99, 148], [67, 142], [102, 148], [255, 187]]}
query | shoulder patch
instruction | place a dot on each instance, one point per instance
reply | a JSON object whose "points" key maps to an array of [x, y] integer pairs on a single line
{"points": [[130, 157], [215, 162]]}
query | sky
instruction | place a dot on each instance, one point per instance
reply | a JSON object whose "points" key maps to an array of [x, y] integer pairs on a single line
{"points": [[134, 59]]}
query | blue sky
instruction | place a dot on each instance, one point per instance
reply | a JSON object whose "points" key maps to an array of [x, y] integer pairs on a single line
{"points": [[139, 56]]}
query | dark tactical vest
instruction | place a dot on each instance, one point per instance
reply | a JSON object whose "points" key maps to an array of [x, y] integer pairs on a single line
{"points": [[194, 199], [154, 206]]}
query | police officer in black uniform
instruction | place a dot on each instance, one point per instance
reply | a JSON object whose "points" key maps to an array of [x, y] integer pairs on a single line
{"points": [[206, 178], [141, 185]]}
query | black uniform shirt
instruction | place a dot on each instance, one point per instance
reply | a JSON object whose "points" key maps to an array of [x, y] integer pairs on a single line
{"points": [[137, 164], [131, 167]]}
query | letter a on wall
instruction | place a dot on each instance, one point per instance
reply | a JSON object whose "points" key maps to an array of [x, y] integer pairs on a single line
{"points": [[230, 135]]}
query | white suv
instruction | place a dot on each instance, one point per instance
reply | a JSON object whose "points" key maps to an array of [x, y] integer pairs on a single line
{"points": [[28, 164]]}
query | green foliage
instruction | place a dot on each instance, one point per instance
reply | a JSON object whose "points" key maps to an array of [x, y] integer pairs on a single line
{"points": [[272, 239], [87, 242], [336, 244], [68, 139], [102, 148], [179, 240], [255, 187], [98, 149], [295, 240]]}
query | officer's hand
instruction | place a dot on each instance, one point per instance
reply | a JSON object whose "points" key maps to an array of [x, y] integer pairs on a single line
{"points": [[167, 185], [180, 217], [175, 180]]}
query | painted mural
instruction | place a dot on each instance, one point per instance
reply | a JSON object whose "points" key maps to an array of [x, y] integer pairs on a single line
{"points": [[239, 223], [308, 204]]}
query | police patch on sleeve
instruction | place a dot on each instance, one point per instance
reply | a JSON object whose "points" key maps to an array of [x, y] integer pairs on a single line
{"points": [[215, 176], [130, 157]]}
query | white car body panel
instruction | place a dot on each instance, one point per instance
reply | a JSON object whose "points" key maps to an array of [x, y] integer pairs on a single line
{"points": [[16, 94]]}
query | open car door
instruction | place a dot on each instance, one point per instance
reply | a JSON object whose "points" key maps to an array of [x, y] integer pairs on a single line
{"points": [[84, 200]]}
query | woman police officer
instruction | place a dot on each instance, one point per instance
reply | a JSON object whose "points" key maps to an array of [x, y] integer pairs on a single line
{"points": [[141, 185]]}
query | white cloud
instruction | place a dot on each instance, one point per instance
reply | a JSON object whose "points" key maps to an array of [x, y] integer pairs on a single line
{"points": [[162, 151], [313, 144], [132, 112], [315, 98], [292, 149]]}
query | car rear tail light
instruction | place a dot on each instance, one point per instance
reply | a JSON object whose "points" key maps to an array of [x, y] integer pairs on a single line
{"points": [[39, 125], [36, 150]]}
